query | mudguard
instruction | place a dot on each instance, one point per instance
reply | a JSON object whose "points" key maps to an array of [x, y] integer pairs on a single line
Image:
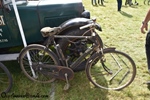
{"points": [[75, 22], [106, 50], [109, 49]]}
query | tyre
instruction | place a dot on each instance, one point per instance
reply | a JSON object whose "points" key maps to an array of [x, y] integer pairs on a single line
{"points": [[113, 71], [39, 56], [5, 79], [73, 48]]}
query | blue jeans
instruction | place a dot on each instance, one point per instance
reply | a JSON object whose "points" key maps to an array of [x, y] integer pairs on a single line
{"points": [[119, 2]]}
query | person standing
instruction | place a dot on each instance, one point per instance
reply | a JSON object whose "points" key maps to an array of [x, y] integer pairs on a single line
{"points": [[119, 4], [144, 28]]}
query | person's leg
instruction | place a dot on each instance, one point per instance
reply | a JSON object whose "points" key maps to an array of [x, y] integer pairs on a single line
{"points": [[147, 47], [95, 2], [119, 4], [92, 2], [101, 2]]}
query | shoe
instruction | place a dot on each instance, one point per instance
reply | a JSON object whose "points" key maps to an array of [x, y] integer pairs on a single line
{"points": [[148, 82]]}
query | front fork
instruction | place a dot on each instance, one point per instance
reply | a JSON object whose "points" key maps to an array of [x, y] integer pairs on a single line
{"points": [[103, 59]]}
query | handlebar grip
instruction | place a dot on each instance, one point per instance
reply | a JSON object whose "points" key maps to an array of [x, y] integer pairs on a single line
{"points": [[98, 27], [91, 24], [85, 26]]}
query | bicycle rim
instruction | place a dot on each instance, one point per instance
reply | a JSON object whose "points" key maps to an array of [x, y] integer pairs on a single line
{"points": [[5, 79], [116, 70]]}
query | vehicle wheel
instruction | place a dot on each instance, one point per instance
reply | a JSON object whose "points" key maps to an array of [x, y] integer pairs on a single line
{"points": [[73, 48], [115, 70], [38, 57], [5, 79]]}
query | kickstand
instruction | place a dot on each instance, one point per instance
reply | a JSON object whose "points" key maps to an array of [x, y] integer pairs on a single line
{"points": [[67, 85]]}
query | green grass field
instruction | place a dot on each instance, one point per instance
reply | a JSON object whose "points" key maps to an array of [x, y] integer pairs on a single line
{"points": [[120, 30]]}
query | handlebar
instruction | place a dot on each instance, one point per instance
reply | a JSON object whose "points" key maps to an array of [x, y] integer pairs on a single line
{"points": [[95, 25], [86, 26]]}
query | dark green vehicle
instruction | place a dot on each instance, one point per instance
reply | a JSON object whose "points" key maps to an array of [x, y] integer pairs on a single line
{"points": [[35, 15]]}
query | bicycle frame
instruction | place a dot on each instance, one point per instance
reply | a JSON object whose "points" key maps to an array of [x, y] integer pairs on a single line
{"points": [[95, 47], [71, 52]]}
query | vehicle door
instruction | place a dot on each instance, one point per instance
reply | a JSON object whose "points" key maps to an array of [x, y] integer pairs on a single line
{"points": [[5, 38]]}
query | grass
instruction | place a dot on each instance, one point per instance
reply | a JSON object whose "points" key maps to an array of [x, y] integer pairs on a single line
{"points": [[120, 30]]}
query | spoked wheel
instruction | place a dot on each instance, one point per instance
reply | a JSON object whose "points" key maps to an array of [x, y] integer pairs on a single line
{"points": [[115, 70], [32, 67], [73, 48], [5, 79]]}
